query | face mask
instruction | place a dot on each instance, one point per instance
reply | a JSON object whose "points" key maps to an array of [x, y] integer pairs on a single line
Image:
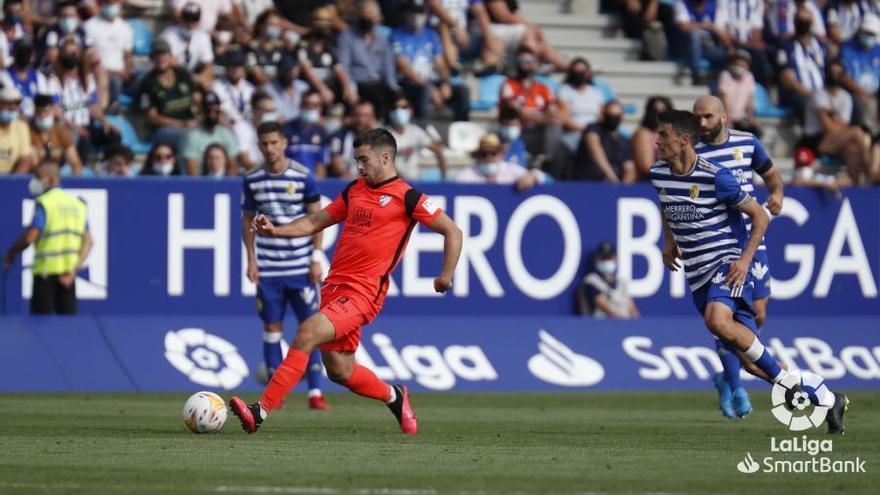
{"points": [[867, 40], [110, 11], [611, 123], [69, 61], [310, 116], [833, 81], [578, 78], [36, 186], [273, 32], [606, 267], [219, 174], [365, 24], [524, 68], [7, 116], [164, 168], [488, 169], [417, 21], [68, 24], [44, 123], [802, 27], [269, 117], [510, 133], [736, 71], [400, 116], [224, 37]]}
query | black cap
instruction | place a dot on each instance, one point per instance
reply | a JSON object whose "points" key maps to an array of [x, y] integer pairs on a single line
{"points": [[160, 46], [191, 12], [414, 6], [210, 98], [605, 250], [43, 100], [234, 58]]}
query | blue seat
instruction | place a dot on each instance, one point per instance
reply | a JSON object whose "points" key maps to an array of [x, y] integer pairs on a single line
{"points": [[143, 37], [548, 81], [129, 136], [764, 107], [489, 92], [608, 93]]}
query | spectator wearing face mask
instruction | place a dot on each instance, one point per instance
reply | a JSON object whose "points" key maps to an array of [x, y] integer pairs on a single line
{"points": [[15, 139], [368, 58], [317, 61], [287, 91], [51, 140], [736, 88], [190, 46], [235, 93], [602, 294], [580, 101], [536, 104], [267, 51], [215, 162], [210, 131], [510, 132], [605, 154], [781, 22], [861, 58], [424, 73], [829, 129], [411, 140], [800, 64], [644, 142], [161, 161], [306, 136], [68, 26], [113, 38], [24, 76], [490, 168]]}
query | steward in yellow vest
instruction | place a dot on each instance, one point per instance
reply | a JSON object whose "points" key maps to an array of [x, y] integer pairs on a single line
{"points": [[62, 238]]}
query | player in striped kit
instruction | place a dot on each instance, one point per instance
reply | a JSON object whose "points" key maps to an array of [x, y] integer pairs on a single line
{"points": [[286, 270], [704, 232], [741, 153]]}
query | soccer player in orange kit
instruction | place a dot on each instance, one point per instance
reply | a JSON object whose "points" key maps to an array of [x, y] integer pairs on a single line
{"points": [[380, 211]]}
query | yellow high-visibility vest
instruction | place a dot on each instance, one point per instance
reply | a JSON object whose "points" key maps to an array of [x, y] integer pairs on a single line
{"points": [[57, 249]]}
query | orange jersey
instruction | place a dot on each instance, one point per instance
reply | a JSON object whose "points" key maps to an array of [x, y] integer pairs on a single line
{"points": [[535, 95], [378, 223]]}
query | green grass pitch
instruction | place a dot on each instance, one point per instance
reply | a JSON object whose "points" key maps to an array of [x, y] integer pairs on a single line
{"points": [[584, 443]]}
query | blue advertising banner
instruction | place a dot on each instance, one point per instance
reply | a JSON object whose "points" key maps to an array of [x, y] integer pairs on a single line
{"points": [[172, 246], [176, 353]]}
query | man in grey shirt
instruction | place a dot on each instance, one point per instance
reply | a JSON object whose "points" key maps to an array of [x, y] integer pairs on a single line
{"points": [[366, 54]]}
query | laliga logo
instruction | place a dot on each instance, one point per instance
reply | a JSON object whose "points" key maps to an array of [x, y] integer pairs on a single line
{"points": [[559, 365], [204, 358], [798, 400]]}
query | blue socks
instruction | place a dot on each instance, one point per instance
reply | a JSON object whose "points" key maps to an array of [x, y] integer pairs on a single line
{"points": [[313, 372], [272, 350], [732, 366]]}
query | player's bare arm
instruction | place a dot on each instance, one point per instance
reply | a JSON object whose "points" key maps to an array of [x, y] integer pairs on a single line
{"points": [[315, 271], [248, 235], [739, 269], [451, 250], [301, 227], [671, 253], [773, 181]]}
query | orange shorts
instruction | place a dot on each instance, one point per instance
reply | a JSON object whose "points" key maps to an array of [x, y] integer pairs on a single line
{"points": [[348, 311]]}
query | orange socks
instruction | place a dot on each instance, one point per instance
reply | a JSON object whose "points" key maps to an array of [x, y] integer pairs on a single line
{"points": [[284, 379], [365, 383]]}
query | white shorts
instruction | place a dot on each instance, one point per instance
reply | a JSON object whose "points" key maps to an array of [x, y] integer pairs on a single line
{"points": [[510, 34]]}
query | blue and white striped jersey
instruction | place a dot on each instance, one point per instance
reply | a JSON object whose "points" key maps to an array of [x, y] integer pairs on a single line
{"points": [[744, 155], [283, 198], [700, 209]]}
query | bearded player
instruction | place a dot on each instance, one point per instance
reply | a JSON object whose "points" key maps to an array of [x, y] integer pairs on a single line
{"points": [[380, 211]]}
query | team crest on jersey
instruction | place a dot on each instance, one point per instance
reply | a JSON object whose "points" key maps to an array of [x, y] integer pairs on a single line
{"points": [[430, 206], [695, 191], [316, 139], [737, 154], [291, 188], [384, 200]]}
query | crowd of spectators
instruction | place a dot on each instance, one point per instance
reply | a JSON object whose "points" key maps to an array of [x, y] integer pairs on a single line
{"points": [[216, 69]]}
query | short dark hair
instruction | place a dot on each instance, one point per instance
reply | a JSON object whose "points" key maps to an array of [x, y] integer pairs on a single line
{"points": [[259, 95], [118, 150], [683, 122], [268, 128], [377, 139], [43, 100]]}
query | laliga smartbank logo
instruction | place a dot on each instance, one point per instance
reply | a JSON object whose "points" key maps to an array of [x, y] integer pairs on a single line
{"points": [[794, 406]]}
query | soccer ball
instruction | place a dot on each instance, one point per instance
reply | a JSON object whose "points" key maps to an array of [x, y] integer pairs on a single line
{"points": [[204, 412]]}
